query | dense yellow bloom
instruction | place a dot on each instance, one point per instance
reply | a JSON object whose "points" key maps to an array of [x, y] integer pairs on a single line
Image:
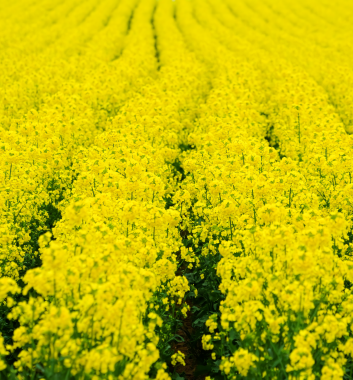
{"points": [[242, 360], [143, 139]]}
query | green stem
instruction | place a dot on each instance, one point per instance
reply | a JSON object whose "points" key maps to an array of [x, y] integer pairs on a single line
{"points": [[231, 230]]}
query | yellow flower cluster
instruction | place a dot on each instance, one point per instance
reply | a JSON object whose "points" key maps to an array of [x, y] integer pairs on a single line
{"points": [[140, 135], [178, 357], [89, 132], [269, 185]]}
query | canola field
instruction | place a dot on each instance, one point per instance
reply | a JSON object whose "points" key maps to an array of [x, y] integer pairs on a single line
{"points": [[164, 161]]}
